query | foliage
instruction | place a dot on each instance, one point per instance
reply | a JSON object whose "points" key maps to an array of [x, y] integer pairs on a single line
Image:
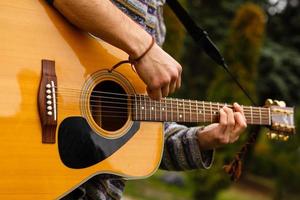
{"points": [[268, 70], [246, 33], [175, 39], [242, 53]]}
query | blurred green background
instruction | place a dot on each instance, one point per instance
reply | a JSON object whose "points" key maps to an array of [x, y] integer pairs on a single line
{"points": [[261, 43]]}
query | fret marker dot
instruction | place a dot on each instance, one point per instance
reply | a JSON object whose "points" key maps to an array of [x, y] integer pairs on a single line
{"points": [[180, 116], [163, 108], [143, 108], [152, 108], [200, 111]]}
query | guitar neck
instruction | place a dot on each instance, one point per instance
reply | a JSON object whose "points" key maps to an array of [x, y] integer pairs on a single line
{"points": [[182, 110]]}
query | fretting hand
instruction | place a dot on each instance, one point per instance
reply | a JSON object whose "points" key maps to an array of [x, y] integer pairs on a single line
{"points": [[232, 123]]}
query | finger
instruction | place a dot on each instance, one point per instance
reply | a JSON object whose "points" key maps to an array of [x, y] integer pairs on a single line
{"points": [[240, 124], [172, 86], [154, 94], [238, 108], [178, 82], [223, 119], [165, 91], [230, 121]]}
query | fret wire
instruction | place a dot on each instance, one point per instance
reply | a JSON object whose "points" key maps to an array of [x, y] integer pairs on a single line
{"points": [[166, 108], [172, 111], [177, 110], [150, 108], [183, 104], [203, 110], [155, 110], [209, 114], [145, 106], [211, 119], [136, 106], [260, 116], [269, 116], [214, 105], [262, 119], [160, 111], [261, 112], [190, 110], [197, 111], [141, 113], [251, 114]]}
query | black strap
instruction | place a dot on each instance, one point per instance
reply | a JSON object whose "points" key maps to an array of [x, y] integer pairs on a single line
{"points": [[197, 33], [201, 37]]}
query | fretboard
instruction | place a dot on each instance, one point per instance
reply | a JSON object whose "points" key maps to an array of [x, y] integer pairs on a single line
{"points": [[182, 110]]}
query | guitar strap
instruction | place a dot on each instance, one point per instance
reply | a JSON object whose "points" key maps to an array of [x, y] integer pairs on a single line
{"points": [[201, 38]]}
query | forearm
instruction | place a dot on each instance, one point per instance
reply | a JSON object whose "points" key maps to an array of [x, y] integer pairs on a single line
{"points": [[106, 21], [182, 150]]}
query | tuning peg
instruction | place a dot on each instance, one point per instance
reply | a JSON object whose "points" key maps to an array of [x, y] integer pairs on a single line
{"points": [[269, 102], [280, 103], [281, 137], [286, 138], [272, 136]]}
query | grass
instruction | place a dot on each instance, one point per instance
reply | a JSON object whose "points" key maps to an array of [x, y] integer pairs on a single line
{"points": [[237, 193], [154, 189]]}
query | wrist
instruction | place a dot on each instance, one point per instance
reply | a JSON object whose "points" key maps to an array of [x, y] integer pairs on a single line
{"points": [[134, 60], [140, 47], [202, 140]]}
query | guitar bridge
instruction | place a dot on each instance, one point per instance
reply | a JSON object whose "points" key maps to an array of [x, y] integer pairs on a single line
{"points": [[47, 104]]}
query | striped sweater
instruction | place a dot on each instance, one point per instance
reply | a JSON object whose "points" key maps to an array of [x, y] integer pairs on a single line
{"points": [[181, 149]]}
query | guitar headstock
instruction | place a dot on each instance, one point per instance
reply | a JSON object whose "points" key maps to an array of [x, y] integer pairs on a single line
{"points": [[282, 120]]}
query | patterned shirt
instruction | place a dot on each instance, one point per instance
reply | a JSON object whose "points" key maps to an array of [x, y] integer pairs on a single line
{"points": [[181, 149]]}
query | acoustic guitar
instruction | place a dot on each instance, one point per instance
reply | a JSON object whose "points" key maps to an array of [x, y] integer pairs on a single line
{"points": [[65, 117]]}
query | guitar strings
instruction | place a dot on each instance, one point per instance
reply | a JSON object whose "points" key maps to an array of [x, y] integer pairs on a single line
{"points": [[95, 106], [146, 114], [164, 116], [171, 102], [147, 98], [164, 119], [134, 107], [186, 111], [192, 107]]}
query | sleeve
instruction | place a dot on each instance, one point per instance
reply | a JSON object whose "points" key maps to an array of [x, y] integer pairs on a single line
{"points": [[182, 151]]}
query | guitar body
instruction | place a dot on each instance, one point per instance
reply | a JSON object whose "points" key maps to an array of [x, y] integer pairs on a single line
{"points": [[30, 169]]}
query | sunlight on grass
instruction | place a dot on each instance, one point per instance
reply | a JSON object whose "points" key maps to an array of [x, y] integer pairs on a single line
{"points": [[238, 194]]}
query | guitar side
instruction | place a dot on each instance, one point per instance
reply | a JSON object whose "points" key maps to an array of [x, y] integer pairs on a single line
{"points": [[32, 31]]}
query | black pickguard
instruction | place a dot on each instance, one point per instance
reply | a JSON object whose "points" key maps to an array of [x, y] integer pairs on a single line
{"points": [[80, 147]]}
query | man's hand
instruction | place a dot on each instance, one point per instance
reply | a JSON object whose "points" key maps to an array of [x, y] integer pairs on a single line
{"points": [[160, 72], [232, 124]]}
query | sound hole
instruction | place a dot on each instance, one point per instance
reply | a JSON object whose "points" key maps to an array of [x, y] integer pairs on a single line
{"points": [[108, 104]]}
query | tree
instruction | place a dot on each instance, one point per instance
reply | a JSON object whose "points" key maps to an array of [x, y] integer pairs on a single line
{"points": [[242, 53]]}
